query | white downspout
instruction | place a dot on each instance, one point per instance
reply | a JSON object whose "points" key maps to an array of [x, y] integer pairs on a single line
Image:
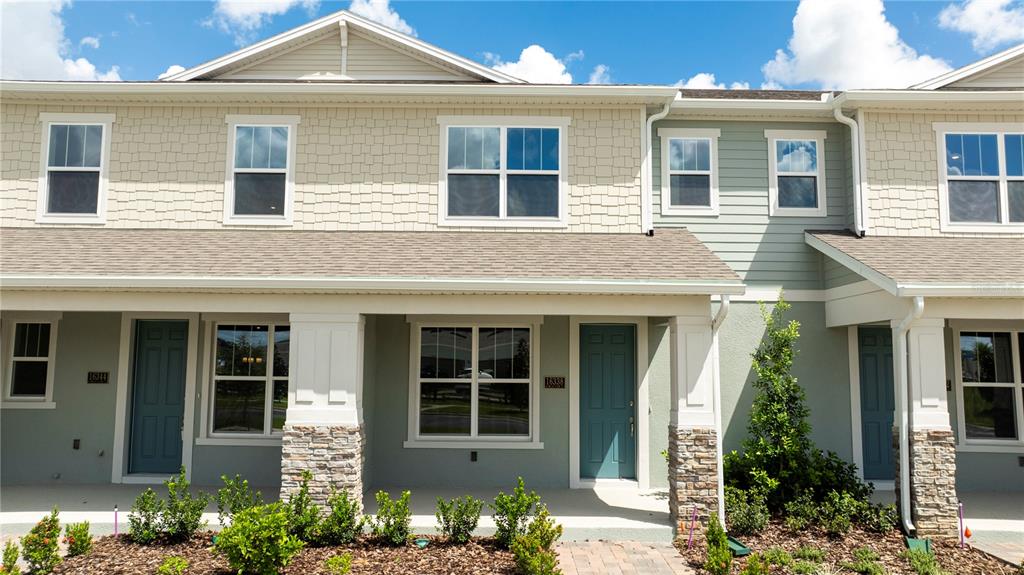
{"points": [[646, 206], [902, 408], [858, 192], [723, 311]]}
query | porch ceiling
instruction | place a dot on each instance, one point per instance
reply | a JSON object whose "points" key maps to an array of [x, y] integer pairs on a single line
{"points": [[671, 262]]}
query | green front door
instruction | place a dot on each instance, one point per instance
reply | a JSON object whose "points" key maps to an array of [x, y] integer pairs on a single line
{"points": [[877, 402], [607, 401], [158, 396]]}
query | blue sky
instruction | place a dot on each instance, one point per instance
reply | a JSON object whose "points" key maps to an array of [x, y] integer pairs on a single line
{"points": [[631, 42]]}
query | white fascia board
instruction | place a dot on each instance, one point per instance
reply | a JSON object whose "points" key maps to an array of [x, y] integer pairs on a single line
{"points": [[369, 284], [999, 290], [910, 97], [881, 280], [715, 104], [971, 69]]}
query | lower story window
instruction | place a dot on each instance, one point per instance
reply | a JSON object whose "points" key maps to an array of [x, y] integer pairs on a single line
{"points": [[31, 361], [990, 379], [250, 379], [474, 382]]}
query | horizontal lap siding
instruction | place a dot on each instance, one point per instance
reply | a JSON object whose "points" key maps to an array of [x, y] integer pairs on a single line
{"points": [[368, 59], [319, 58], [763, 250]]}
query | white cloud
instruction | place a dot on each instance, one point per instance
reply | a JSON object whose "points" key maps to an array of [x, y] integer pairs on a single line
{"points": [[990, 23], [535, 65], [39, 25], [380, 11], [848, 44], [600, 75], [706, 81], [574, 56], [243, 18], [90, 41], [171, 70]]}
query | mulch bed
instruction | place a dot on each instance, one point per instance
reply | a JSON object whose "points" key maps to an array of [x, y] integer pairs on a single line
{"points": [[889, 546], [119, 556]]}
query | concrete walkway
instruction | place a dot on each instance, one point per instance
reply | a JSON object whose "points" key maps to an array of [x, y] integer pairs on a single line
{"points": [[620, 558]]}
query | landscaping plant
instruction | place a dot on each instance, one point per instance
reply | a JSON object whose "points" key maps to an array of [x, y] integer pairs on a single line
{"points": [[878, 518], [755, 566], [172, 565], [801, 512], [923, 562], [338, 564], [838, 513], [10, 559], [235, 496], [343, 523], [183, 512], [303, 514], [808, 553], [745, 511], [391, 524], [512, 512], [144, 518], [39, 547], [534, 550], [865, 562], [458, 518], [258, 541], [719, 557], [777, 556], [78, 539]]}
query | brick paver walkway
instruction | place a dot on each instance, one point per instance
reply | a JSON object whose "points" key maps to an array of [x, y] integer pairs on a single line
{"points": [[620, 558]]}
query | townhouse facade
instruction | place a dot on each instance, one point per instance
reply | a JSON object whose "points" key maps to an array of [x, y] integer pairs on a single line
{"points": [[345, 250]]}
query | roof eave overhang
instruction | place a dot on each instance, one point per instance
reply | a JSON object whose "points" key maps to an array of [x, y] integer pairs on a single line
{"points": [[926, 98], [714, 104], [376, 285]]}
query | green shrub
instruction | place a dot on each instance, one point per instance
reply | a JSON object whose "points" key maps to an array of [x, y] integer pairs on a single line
{"points": [[865, 562], [838, 513], [172, 565], [512, 512], [343, 523], [777, 556], [745, 511], [801, 512], [878, 518], [258, 541], [805, 568], [10, 559], [808, 553], [719, 557], [458, 518], [39, 547], [78, 539], [235, 496], [391, 524], [534, 550], [923, 562], [755, 566], [303, 514], [144, 518], [338, 564], [183, 512]]}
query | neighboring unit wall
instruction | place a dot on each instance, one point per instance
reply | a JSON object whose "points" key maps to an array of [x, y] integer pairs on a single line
{"points": [[763, 249], [903, 170], [358, 168]]}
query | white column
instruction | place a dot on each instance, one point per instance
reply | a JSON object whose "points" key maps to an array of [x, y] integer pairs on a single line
{"points": [[694, 371], [927, 371], [326, 362]]}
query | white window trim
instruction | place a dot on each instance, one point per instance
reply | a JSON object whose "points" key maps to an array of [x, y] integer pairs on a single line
{"points": [[286, 219], [989, 445], [46, 119], [413, 438], [773, 176], [998, 130], [11, 319], [269, 438], [505, 122], [668, 134]]}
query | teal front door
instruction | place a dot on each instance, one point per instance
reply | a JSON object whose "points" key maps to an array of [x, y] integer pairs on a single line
{"points": [[607, 401], [876, 401], [158, 396]]}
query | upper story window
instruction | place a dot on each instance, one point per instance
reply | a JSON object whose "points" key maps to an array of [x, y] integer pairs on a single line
{"points": [[29, 371], [981, 177], [261, 174], [796, 176], [503, 171], [689, 171], [73, 182]]}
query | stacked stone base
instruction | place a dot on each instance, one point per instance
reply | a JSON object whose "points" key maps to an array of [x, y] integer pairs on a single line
{"points": [[692, 475], [333, 454], [932, 482]]}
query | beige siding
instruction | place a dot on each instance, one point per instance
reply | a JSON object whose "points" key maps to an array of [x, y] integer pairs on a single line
{"points": [[1009, 75], [368, 60], [357, 168], [321, 58], [903, 169]]}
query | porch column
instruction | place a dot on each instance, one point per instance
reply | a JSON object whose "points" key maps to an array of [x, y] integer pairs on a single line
{"points": [[323, 426], [933, 497], [693, 436]]}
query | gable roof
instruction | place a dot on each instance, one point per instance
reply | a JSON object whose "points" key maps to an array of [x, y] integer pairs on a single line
{"points": [[338, 25], [1010, 58]]}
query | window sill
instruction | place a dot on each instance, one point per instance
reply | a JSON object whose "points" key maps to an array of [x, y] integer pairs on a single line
{"points": [[506, 223], [14, 404], [257, 222], [428, 444], [77, 220], [798, 213], [1012, 228], [695, 211], [240, 441], [1007, 447]]}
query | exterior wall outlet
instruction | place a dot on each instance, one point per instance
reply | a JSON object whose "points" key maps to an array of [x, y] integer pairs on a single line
{"points": [[472, 456], [76, 444]]}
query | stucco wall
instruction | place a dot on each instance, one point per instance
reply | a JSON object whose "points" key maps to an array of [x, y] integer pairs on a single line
{"points": [[357, 168], [903, 170]]}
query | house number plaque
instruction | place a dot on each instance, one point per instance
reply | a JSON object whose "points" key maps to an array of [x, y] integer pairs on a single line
{"points": [[554, 383], [98, 377]]}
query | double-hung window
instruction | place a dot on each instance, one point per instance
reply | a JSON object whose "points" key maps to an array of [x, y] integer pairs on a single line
{"points": [[796, 177], [990, 393], [981, 176], [261, 158], [73, 182], [31, 346], [249, 383], [689, 171], [500, 171], [474, 384]]}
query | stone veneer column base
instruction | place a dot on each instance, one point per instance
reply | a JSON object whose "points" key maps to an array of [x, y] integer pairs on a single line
{"points": [[333, 454], [932, 482], [692, 475]]}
